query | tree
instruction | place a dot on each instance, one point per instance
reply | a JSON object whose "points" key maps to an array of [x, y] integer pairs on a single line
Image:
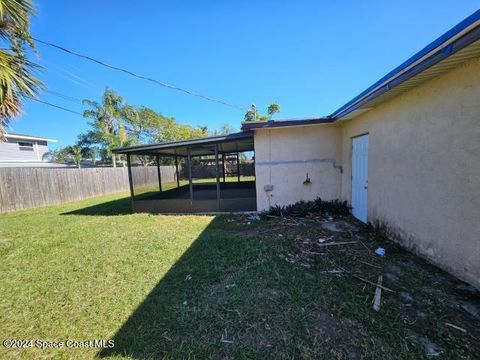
{"points": [[92, 152], [76, 152], [107, 127], [225, 129], [114, 123], [17, 81], [273, 109], [252, 113], [73, 153]]}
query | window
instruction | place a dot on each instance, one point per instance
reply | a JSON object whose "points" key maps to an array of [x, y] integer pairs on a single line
{"points": [[25, 146]]}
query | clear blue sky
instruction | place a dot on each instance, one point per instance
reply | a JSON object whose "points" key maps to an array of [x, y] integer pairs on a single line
{"points": [[310, 56]]}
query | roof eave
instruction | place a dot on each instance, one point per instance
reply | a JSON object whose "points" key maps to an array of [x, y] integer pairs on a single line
{"points": [[257, 125]]}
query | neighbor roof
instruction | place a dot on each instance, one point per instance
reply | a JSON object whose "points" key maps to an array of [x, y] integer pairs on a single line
{"points": [[237, 142], [28, 137]]}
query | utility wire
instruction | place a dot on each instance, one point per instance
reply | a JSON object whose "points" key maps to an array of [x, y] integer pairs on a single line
{"points": [[56, 106], [63, 96], [169, 86]]}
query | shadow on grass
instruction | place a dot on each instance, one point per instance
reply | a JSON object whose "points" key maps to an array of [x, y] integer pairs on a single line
{"points": [[184, 313], [121, 206]]}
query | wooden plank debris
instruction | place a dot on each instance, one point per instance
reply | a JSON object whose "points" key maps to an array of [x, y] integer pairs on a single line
{"points": [[372, 283], [456, 327], [337, 243], [378, 294]]}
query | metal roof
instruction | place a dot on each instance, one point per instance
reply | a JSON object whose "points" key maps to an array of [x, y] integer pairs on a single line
{"points": [[27, 137], [237, 142], [249, 125]]}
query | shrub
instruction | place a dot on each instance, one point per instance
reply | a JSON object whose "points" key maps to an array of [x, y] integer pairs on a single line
{"points": [[303, 208]]}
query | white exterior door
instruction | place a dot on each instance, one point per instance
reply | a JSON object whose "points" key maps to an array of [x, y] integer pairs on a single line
{"points": [[360, 177]]}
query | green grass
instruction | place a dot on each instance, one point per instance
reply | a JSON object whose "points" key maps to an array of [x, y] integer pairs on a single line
{"points": [[203, 286], [172, 185]]}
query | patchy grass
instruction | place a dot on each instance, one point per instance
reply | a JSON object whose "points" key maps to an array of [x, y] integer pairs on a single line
{"points": [[220, 287]]}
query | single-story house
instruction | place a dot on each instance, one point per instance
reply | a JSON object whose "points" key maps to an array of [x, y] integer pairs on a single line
{"points": [[20, 150], [405, 153]]}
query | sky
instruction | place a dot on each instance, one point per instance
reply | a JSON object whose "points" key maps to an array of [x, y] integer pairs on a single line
{"points": [[309, 56]]}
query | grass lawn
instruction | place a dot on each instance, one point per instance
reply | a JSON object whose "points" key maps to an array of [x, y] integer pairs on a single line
{"points": [[221, 287], [172, 185]]}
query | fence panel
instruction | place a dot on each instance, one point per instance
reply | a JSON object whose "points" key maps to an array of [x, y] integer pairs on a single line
{"points": [[25, 188]]}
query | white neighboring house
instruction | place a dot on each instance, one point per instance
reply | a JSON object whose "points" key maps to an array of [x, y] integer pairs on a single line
{"points": [[20, 150]]}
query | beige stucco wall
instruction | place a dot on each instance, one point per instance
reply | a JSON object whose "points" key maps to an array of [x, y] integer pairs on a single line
{"points": [[424, 168], [284, 156]]}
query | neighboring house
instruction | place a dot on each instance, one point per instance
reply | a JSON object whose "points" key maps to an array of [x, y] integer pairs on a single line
{"points": [[24, 150], [405, 153]]}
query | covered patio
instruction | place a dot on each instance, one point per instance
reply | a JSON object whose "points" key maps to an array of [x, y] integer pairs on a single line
{"points": [[209, 176]]}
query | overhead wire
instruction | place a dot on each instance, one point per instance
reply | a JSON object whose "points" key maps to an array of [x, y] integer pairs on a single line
{"points": [[143, 77]]}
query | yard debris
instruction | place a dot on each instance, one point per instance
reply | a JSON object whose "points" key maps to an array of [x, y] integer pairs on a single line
{"points": [[367, 263], [165, 336], [253, 217], [378, 294], [380, 251], [372, 283], [338, 243], [338, 226], [185, 303], [224, 338], [333, 271], [188, 277], [456, 327], [228, 286]]}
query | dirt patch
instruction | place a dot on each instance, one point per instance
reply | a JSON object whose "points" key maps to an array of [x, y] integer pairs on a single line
{"points": [[340, 336], [263, 334], [5, 241]]}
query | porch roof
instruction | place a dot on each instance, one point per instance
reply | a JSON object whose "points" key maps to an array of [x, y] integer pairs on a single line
{"points": [[232, 143]]}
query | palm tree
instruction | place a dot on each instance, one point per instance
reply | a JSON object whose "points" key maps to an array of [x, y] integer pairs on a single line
{"points": [[16, 79], [106, 120], [77, 154]]}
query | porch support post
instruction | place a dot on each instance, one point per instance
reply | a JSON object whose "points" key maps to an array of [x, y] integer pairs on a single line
{"points": [[130, 178], [223, 166], [159, 173], [218, 176], [176, 171], [189, 158], [238, 166]]}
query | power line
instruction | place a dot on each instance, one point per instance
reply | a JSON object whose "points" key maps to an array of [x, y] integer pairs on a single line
{"points": [[63, 96], [169, 86], [56, 106]]}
